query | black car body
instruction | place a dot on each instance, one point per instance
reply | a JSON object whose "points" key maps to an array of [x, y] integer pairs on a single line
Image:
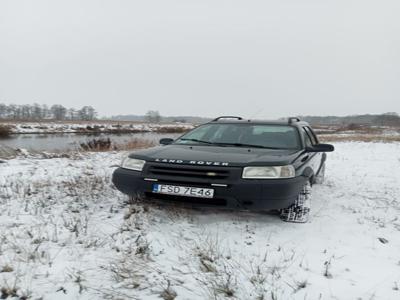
{"points": [[235, 174]]}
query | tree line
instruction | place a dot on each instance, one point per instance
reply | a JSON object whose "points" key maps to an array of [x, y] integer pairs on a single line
{"points": [[386, 119], [35, 112]]}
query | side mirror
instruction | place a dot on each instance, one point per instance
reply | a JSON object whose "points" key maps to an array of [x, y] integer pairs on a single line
{"points": [[166, 141], [321, 148]]}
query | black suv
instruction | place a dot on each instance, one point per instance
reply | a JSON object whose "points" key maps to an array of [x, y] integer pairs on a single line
{"points": [[234, 163]]}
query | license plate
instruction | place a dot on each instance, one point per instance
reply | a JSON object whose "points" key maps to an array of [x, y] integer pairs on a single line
{"points": [[183, 191]]}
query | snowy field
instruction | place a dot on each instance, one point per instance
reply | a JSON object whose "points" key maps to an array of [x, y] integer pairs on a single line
{"points": [[66, 233], [59, 127]]}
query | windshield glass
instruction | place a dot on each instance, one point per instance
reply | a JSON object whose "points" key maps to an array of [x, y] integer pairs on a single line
{"points": [[243, 135]]}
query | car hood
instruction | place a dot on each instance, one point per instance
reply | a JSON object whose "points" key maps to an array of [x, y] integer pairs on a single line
{"points": [[217, 156]]}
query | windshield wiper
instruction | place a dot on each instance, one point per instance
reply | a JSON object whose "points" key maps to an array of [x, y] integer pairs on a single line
{"points": [[246, 145], [196, 140]]}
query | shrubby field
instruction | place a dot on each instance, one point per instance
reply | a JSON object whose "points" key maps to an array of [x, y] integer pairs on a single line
{"points": [[66, 233], [92, 127]]}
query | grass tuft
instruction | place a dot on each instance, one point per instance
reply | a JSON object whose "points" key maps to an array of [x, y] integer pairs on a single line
{"points": [[168, 293], [5, 131]]}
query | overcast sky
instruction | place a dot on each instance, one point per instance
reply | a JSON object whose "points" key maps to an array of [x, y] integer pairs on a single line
{"points": [[205, 57]]}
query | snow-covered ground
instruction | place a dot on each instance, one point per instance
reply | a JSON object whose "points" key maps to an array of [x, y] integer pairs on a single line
{"points": [[66, 233], [59, 127]]}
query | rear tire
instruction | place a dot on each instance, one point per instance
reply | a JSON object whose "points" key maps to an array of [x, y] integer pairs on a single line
{"points": [[299, 211]]}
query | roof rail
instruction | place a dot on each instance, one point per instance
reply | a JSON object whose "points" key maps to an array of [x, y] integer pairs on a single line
{"points": [[226, 117], [293, 119]]}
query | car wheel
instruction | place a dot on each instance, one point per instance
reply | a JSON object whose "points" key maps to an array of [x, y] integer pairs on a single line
{"points": [[320, 178], [299, 211]]}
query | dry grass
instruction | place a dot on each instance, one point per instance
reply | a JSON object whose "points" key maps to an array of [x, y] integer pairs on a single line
{"points": [[367, 138], [361, 130], [103, 145], [6, 269], [168, 293], [353, 129], [5, 131], [172, 129], [135, 144]]}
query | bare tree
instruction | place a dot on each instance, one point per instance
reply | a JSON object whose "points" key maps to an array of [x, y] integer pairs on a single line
{"points": [[36, 111], [59, 112], [388, 119], [153, 116], [3, 111], [72, 114], [87, 113]]}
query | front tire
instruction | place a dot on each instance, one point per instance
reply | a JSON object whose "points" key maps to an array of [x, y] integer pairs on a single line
{"points": [[299, 211]]}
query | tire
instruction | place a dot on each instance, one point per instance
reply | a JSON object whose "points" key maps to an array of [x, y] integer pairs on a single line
{"points": [[320, 178], [299, 211]]}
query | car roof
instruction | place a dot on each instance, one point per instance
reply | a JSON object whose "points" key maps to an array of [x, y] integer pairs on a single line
{"points": [[237, 120]]}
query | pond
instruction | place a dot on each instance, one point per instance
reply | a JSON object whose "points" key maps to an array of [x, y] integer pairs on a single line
{"points": [[71, 141]]}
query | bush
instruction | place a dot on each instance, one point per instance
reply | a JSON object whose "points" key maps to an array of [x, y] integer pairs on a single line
{"points": [[5, 131], [101, 144], [105, 144], [175, 129]]}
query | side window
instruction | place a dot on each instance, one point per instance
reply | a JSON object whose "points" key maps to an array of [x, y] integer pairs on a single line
{"points": [[307, 139], [311, 134]]}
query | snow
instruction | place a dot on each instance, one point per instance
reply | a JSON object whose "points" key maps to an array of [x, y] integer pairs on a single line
{"points": [[66, 233], [56, 127]]}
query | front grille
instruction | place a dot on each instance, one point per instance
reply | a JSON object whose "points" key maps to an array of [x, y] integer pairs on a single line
{"points": [[189, 172]]}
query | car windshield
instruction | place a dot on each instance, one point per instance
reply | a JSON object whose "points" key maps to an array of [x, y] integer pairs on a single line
{"points": [[243, 135]]}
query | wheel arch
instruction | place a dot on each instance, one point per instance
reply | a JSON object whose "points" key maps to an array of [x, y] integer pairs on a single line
{"points": [[309, 173]]}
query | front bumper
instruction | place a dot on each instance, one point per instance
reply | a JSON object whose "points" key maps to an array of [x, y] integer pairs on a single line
{"points": [[238, 193]]}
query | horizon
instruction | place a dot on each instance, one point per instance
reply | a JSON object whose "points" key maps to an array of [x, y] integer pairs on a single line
{"points": [[105, 117], [342, 114]]}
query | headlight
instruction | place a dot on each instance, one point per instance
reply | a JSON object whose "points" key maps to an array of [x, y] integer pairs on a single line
{"points": [[133, 164], [268, 172]]}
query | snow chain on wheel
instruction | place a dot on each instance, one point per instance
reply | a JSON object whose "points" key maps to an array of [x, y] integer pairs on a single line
{"points": [[299, 211]]}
